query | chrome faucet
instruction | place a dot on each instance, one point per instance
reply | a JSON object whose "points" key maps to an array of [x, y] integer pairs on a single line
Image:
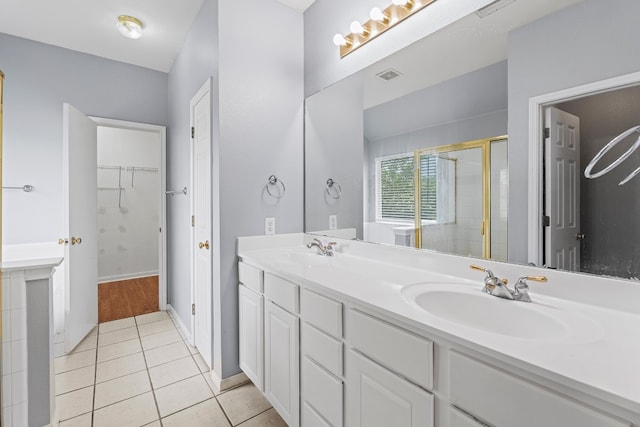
{"points": [[498, 287], [324, 250]]}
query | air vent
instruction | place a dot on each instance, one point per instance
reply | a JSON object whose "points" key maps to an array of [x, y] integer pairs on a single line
{"points": [[493, 7], [389, 74]]}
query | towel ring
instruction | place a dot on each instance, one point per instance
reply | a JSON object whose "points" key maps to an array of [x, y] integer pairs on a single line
{"points": [[337, 190], [614, 164], [273, 181]]}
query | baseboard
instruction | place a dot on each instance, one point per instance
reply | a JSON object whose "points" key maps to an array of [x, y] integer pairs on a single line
{"points": [[120, 277], [184, 331], [229, 382]]}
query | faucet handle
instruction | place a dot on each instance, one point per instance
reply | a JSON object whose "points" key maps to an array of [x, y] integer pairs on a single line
{"points": [[541, 279], [490, 274]]}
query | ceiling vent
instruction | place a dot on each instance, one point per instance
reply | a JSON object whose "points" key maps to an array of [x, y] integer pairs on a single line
{"points": [[493, 7], [389, 74]]}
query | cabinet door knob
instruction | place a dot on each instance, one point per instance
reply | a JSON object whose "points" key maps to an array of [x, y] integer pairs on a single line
{"points": [[204, 245], [76, 240], [63, 242]]}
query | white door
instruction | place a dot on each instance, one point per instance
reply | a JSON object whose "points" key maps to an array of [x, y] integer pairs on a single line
{"points": [[201, 221], [562, 190], [378, 398], [81, 250], [250, 319], [282, 362]]}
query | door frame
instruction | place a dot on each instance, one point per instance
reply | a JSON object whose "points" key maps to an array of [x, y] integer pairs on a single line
{"points": [[537, 106], [162, 133]]}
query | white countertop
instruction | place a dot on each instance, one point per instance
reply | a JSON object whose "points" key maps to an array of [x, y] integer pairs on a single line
{"points": [[600, 356]]}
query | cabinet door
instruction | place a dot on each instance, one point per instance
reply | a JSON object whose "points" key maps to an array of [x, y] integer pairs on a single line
{"points": [[378, 398], [282, 362], [251, 335]]}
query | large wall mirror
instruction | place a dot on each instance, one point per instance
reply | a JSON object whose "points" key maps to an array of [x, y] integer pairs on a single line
{"points": [[433, 146]]}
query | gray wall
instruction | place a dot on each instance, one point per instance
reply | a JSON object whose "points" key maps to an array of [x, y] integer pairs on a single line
{"points": [[591, 41], [325, 18], [334, 149], [196, 62], [39, 79], [261, 133], [257, 70]]}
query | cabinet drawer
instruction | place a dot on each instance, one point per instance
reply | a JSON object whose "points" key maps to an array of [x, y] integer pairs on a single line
{"points": [[476, 387], [460, 419], [322, 391], [250, 276], [322, 348], [282, 292], [401, 351], [322, 312]]}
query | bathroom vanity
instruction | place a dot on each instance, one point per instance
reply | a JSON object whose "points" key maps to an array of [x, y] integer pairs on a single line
{"points": [[377, 335]]}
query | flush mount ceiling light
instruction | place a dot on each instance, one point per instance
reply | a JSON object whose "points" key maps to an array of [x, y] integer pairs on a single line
{"points": [[381, 21], [129, 26]]}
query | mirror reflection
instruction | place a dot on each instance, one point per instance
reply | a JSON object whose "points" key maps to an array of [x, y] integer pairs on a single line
{"points": [[430, 145]]}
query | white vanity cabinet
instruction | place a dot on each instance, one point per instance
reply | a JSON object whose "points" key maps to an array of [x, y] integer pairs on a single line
{"points": [[477, 387], [282, 347], [322, 361], [385, 365], [251, 323]]}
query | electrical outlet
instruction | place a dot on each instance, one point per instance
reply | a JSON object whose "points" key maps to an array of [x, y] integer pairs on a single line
{"points": [[269, 226], [333, 222]]}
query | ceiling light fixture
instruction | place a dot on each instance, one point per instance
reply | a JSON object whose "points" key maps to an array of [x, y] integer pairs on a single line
{"points": [[380, 21], [129, 26]]}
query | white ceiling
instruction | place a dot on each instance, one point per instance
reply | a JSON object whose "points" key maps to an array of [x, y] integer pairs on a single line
{"points": [[89, 26]]}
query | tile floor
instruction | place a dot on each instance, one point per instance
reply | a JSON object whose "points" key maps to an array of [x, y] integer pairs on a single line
{"points": [[139, 371]]}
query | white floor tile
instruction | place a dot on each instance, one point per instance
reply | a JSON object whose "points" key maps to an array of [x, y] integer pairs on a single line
{"points": [[75, 380], [268, 418], [110, 392], [156, 327], [160, 339], [202, 365], [205, 414], [75, 361], [151, 317], [153, 424], [243, 403], [172, 372], [81, 421], [134, 412], [121, 349], [181, 395], [120, 367], [209, 380], [88, 343], [160, 355], [120, 335], [75, 403], [117, 324]]}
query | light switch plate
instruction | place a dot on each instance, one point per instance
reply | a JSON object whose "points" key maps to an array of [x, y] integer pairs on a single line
{"points": [[333, 222], [269, 226]]}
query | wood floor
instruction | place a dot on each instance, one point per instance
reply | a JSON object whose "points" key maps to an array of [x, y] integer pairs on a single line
{"points": [[126, 298]]}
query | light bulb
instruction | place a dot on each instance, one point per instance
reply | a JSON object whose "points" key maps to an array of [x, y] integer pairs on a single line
{"points": [[377, 15], [339, 40], [357, 28], [129, 26]]}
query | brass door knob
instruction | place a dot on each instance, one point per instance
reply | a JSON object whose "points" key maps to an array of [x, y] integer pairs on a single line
{"points": [[76, 240], [204, 245], [580, 236], [63, 241]]}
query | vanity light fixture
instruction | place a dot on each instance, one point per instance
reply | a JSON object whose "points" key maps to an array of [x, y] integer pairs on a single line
{"points": [[380, 21], [129, 26]]}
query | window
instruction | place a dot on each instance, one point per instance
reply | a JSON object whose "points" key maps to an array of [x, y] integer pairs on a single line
{"points": [[395, 187]]}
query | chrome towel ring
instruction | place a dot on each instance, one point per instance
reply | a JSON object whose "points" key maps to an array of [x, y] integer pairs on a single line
{"points": [[273, 182], [615, 163], [333, 189]]}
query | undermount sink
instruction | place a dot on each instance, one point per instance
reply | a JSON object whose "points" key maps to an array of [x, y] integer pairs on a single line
{"points": [[305, 258], [468, 306]]}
